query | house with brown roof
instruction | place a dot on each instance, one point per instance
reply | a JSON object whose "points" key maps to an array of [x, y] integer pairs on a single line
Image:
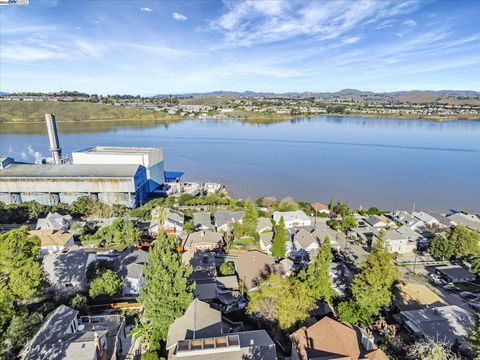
{"points": [[53, 241], [254, 266], [203, 240], [320, 208], [330, 339]]}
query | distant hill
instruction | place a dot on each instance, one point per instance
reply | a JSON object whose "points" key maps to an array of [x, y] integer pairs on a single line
{"points": [[453, 97]]}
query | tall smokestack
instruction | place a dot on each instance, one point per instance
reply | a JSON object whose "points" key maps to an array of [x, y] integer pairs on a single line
{"points": [[53, 137]]}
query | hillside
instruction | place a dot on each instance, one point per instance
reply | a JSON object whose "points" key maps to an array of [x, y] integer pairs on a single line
{"points": [[32, 111]]}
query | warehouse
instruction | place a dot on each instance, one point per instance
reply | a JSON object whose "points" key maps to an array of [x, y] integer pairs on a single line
{"points": [[151, 158], [125, 184]]}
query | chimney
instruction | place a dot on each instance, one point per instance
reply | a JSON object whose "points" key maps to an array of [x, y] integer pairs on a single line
{"points": [[53, 137]]}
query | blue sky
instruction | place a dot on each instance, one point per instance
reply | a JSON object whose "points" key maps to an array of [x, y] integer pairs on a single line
{"points": [[168, 47]]}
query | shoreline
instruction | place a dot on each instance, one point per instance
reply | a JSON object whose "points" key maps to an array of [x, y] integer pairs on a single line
{"points": [[258, 120]]}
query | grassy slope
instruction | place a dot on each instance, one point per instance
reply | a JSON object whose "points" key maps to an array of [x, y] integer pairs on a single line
{"points": [[31, 111]]}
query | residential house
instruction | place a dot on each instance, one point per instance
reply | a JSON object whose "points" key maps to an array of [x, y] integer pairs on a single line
{"points": [[66, 272], [376, 221], [469, 221], [204, 274], [254, 266], [442, 220], [427, 219], [330, 339], [292, 218], [202, 221], [408, 220], [266, 239], [170, 221], [413, 296], [398, 242], [130, 267], [200, 335], [223, 219], [66, 336], [54, 221], [320, 208], [53, 241], [203, 240], [449, 324], [264, 225], [455, 273], [304, 240]]}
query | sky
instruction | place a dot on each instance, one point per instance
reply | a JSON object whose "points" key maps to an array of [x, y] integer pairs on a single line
{"points": [[173, 47]]}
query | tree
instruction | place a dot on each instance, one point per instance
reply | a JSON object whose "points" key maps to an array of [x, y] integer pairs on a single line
{"points": [[474, 340], [107, 283], [279, 242], [250, 218], [20, 267], [121, 233], [317, 277], [167, 291], [372, 287], [78, 302], [281, 302], [441, 248], [21, 329], [332, 204], [227, 268], [460, 243], [348, 223]]}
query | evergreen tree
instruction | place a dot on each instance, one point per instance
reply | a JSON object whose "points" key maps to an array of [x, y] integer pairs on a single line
{"points": [[279, 242], [167, 291], [250, 218], [317, 277], [372, 287], [460, 243]]}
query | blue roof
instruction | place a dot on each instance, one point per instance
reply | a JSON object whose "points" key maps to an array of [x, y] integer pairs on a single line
{"points": [[173, 175]]}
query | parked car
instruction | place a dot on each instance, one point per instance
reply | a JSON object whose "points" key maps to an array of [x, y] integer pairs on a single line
{"points": [[435, 279], [467, 295], [475, 305], [451, 288]]}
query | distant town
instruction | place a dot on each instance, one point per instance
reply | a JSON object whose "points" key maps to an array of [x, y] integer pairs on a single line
{"points": [[441, 105], [105, 255]]}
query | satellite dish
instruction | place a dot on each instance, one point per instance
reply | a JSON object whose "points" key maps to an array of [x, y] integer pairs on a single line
{"points": [[81, 327]]}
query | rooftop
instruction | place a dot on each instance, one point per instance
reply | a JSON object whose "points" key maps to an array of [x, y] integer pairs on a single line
{"points": [[68, 171], [120, 150], [50, 237]]}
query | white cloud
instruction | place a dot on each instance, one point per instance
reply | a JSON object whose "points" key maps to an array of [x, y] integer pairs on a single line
{"points": [[179, 17], [410, 22], [146, 9], [351, 40], [251, 22]]}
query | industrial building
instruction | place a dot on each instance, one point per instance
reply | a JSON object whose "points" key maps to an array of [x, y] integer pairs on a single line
{"points": [[150, 158], [113, 175]]}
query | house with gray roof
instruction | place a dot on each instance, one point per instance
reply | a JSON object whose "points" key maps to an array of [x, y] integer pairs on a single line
{"points": [[445, 324], [376, 221], [455, 273], [406, 219], [304, 240], [202, 221], [469, 221], [65, 336], [66, 272], [398, 241], [224, 218], [200, 335], [264, 225], [265, 242], [54, 221], [130, 267], [442, 220]]}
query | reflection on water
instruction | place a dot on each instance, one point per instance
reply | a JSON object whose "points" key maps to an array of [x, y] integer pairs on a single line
{"points": [[369, 161]]}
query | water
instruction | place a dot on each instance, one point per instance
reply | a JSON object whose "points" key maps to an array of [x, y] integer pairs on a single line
{"points": [[387, 163]]}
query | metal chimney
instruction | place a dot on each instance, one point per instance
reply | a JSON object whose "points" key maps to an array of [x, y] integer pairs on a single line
{"points": [[53, 137]]}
